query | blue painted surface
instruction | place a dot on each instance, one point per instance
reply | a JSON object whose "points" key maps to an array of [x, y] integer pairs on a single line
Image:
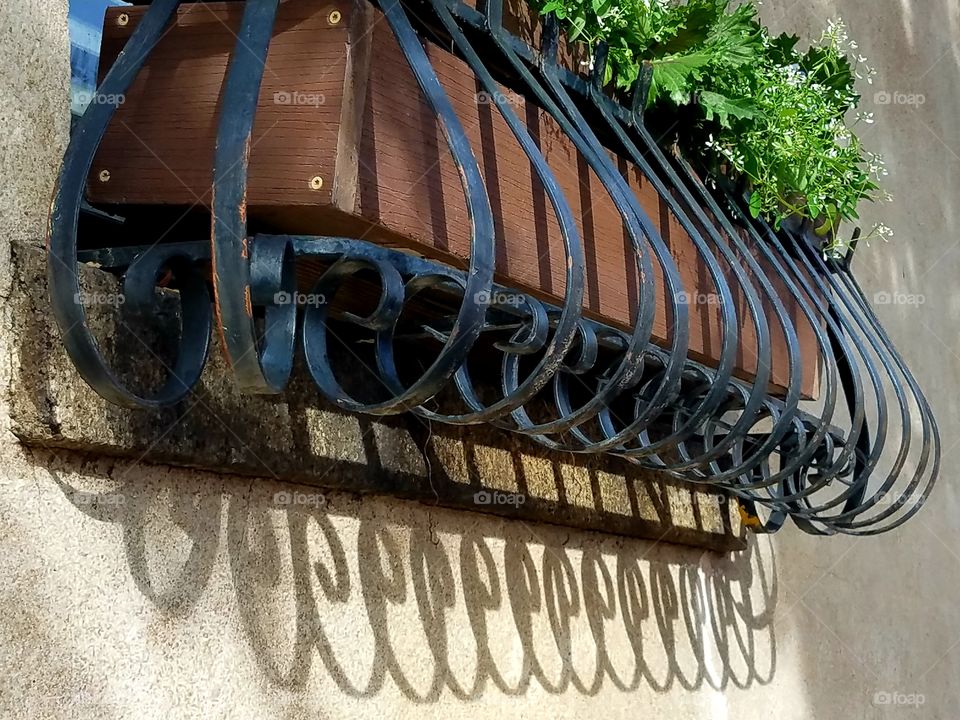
{"points": [[86, 28]]}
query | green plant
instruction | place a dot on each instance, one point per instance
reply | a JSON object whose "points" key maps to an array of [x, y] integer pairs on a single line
{"points": [[754, 107]]}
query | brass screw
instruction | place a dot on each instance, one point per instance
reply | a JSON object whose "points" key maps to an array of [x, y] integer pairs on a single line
{"points": [[123, 19], [334, 17], [104, 176], [316, 182]]}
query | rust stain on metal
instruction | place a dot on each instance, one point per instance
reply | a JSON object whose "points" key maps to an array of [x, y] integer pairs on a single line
{"points": [[242, 207], [216, 280], [242, 215]]}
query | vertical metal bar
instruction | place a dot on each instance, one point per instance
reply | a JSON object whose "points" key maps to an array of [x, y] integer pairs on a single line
{"points": [[64, 282]]}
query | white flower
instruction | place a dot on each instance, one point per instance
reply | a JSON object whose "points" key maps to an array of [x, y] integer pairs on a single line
{"points": [[882, 231], [836, 32]]}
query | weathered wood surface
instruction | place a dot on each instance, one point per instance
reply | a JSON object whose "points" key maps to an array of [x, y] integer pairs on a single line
{"points": [[339, 102]]}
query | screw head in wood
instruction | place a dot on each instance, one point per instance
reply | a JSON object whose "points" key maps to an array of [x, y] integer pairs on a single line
{"points": [[334, 17], [104, 176], [316, 182], [123, 19]]}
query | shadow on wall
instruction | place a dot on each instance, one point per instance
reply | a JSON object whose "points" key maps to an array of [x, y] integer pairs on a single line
{"points": [[439, 600]]}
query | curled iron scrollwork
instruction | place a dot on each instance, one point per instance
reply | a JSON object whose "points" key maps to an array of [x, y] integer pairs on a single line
{"points": [[834, 465]]}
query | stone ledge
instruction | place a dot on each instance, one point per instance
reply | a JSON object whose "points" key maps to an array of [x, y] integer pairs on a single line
{"points": [[298, 437]]}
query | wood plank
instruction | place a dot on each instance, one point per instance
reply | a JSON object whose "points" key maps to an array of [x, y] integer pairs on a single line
{"points": [[339, 102]]}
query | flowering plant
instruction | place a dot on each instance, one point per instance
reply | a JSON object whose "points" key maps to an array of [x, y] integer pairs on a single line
{"points": [[748, 104]]}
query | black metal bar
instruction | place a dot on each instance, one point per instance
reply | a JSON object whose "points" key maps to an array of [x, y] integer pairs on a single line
{"points": [[814, 464], [65, 291]]}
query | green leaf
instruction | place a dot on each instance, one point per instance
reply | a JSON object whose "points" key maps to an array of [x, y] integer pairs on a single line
{"points": [[694, 27], [675, 74], [781, 124], [831, 70], [781, 49], [751, 165], [736, 38], [723, 108], [577, 26], [653, 94]]}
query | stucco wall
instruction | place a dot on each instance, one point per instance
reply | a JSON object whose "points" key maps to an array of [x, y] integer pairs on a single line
{"points": [[182, 594]]}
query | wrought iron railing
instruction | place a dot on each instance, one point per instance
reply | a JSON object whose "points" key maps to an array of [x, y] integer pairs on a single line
{"points": [[569, 382]]}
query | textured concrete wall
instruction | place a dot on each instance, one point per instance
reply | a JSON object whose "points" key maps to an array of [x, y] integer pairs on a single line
{"points": [[141, 591]]}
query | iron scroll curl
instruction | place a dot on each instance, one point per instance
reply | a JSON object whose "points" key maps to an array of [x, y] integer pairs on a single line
{"points": [[861, 460]]}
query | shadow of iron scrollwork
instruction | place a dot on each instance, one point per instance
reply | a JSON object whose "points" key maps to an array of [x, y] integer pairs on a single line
{"points": [[435, 602]]}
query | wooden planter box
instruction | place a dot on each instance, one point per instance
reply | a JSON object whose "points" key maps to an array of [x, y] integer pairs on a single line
{"points": [[345, 145]]}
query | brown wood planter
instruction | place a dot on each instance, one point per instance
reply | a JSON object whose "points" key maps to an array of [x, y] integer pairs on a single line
{"points": [[344, 145]]}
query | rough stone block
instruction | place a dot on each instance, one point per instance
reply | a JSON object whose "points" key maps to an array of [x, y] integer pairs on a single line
{"points": [[299, 437]]}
